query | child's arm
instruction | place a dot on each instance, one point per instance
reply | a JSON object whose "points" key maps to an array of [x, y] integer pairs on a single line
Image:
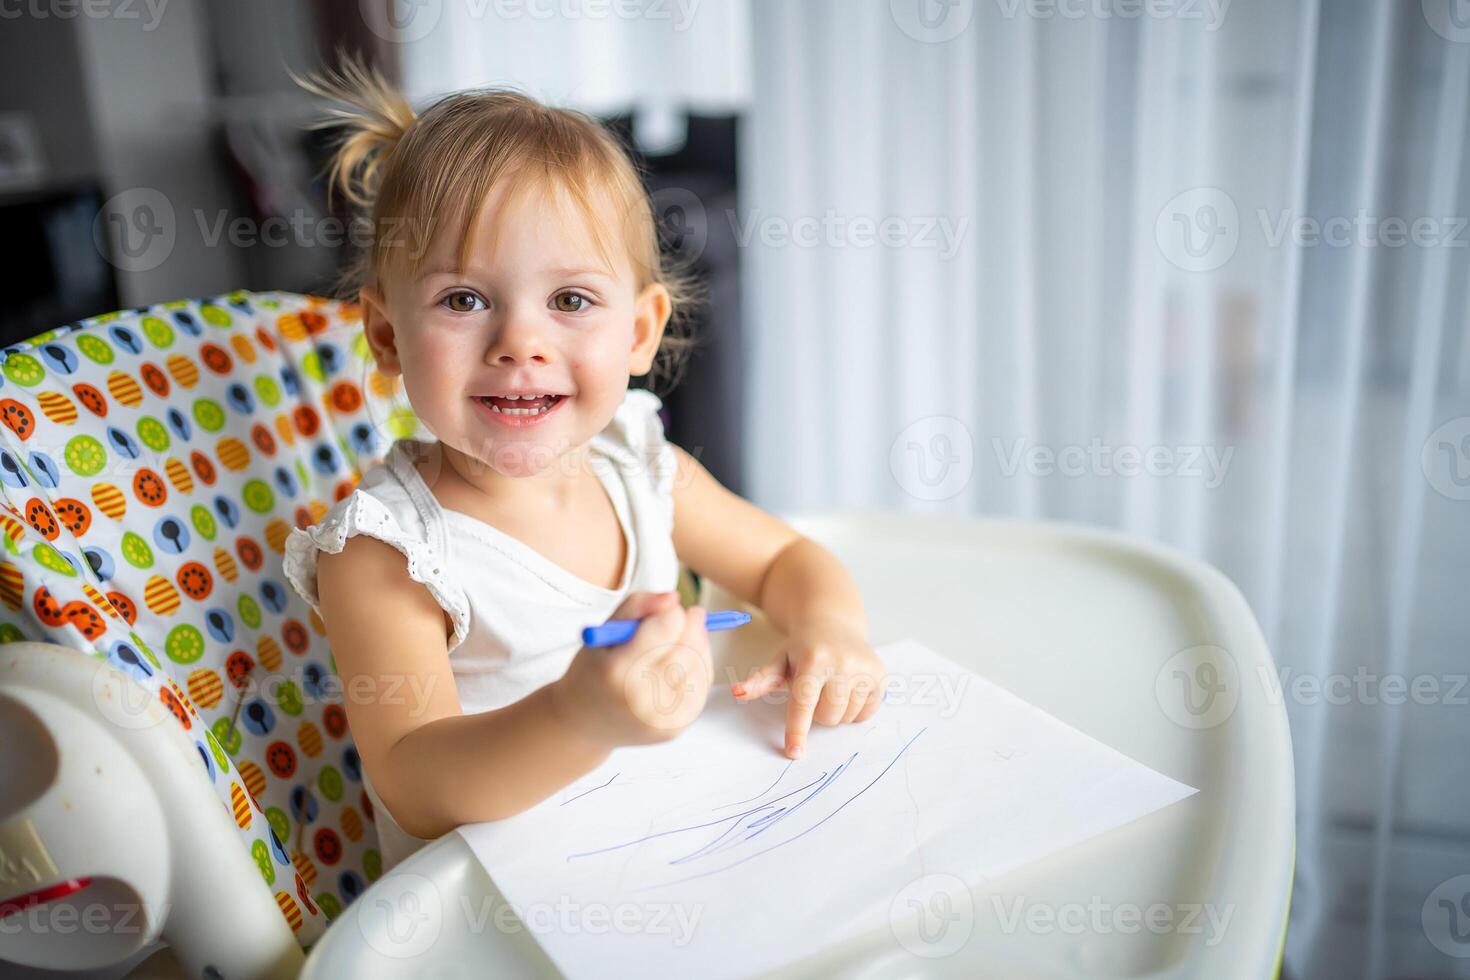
{"points": [[833, 673], [436, 768]]}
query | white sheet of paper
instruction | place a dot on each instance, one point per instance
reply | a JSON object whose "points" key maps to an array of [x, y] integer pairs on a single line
{"points": [[714, 855]]}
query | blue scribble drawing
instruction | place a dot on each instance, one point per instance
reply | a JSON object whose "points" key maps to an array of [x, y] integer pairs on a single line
{"points": [[741, 828], [592, 790], [763, 792]]}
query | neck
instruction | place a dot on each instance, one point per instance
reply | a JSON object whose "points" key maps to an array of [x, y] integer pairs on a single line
{"points": [[554, 485]]}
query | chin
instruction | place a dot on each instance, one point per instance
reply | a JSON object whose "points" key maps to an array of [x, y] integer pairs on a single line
{"points": [[522, 458]]}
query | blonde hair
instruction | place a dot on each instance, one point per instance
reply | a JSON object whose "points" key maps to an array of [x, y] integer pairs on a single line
{"points": [[401, 169]]}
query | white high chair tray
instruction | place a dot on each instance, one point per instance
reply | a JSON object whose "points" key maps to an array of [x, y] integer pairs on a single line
{"points": [[1098, 629]]}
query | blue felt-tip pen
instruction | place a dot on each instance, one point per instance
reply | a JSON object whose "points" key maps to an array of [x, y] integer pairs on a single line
{"points": [[616, 631]]}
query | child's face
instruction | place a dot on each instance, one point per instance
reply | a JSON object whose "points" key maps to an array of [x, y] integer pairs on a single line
{"points": [[536, 311]]}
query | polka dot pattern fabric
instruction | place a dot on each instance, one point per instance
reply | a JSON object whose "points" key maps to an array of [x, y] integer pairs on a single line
{"points": [[152, 463]]}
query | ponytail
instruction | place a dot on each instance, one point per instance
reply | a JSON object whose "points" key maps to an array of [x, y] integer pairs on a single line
{"points": [[373, 116]]}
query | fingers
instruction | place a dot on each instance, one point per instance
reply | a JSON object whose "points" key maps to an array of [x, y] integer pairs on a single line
{"points": [[693, 642], [637, 605], [862, 689], [806, 691], [832, 705], [762, 680]]}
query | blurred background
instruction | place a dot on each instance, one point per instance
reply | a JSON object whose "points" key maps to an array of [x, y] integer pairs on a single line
{"points": [[1195, 269]]}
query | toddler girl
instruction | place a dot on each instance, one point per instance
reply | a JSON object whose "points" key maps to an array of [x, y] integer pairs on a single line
{"points": [[514, 281]]}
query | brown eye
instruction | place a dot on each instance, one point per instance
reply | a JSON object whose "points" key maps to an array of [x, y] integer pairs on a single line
{"points": [[462, 302], [570, 302]]}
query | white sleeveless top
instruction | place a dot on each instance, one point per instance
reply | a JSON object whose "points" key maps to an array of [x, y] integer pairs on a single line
{"points": [[517, 615]]}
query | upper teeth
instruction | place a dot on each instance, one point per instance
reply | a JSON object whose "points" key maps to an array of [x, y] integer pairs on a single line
{"points": [[529, 410]]}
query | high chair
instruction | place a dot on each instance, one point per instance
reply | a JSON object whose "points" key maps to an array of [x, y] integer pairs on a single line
{"points": [[178, 766], [1148, 650], [178, 762]]}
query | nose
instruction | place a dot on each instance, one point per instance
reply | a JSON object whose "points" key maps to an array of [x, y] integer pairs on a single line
{"points": [[519, 340]]}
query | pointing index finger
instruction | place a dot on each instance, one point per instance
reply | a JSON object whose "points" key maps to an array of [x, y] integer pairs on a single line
{"points": [[806, 690]]}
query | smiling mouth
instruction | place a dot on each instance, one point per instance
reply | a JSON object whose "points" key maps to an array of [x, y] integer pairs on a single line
{"points": [[524, 405]]}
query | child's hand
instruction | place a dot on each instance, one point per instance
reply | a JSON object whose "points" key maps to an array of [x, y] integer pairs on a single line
{"points": [[648, 689], [833, 674]]}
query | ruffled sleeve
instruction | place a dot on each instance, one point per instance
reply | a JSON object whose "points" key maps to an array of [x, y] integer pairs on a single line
{"points": [[636, 436], [363, 513]]}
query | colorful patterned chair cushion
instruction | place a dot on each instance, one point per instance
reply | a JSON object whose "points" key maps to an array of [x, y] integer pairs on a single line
{"points": [[152, 463]]}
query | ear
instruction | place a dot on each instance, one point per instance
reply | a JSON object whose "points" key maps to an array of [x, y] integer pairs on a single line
{"points": [[378, 329], [650, 315]]}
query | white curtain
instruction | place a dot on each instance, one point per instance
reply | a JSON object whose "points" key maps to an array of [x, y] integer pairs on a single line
{"points": [[656, 58], [1226, 236]]}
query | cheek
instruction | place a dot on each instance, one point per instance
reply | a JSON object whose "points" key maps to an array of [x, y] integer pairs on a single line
{"points": [[433, 373], [442, 357], [605, 349]]}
